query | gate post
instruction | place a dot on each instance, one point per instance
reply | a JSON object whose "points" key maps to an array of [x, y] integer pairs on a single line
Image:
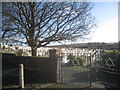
{"points": [[54, 58], [21, 76]]}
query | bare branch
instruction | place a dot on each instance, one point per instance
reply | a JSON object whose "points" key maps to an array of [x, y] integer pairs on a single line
{"points": [[43, 22]]}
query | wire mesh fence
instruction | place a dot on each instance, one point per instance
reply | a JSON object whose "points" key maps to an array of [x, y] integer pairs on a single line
{"points": [[75, 68], [90, 71]]}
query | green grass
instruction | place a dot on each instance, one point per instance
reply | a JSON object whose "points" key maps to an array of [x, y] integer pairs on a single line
{"points": [[108, 51], [81, 68], [77, 68]]}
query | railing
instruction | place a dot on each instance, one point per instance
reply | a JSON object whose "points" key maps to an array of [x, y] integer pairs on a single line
{"points": [[108, 73], [108, 77]]}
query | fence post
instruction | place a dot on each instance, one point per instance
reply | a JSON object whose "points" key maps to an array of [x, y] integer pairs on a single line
{"points": [[21, 76], [90, 71]]}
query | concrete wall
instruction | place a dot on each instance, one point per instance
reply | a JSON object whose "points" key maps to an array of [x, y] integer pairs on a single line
{"points": [[37, 70]]}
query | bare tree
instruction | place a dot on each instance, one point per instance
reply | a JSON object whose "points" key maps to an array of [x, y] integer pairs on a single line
{"points": [[39, 23]]}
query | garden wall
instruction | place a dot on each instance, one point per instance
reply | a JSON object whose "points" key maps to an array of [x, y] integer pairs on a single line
{"points": [[36, 69]]}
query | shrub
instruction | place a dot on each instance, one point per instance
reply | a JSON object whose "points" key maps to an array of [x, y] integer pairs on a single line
{"points": [[70, 57], [73, 59], [81, 60], [19, 52]]}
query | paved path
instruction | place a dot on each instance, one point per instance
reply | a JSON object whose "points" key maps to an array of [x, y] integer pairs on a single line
{"points": [[77, 76]]}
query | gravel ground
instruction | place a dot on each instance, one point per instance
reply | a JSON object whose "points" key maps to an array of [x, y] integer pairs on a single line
{"points": [[28, 86], [53, 85], [94, 85]]}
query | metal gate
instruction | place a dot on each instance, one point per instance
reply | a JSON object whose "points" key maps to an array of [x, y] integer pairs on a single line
{"points": [[75, 68]]}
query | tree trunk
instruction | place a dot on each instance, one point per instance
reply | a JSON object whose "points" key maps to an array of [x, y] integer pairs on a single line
{"points": [[34, 51]]}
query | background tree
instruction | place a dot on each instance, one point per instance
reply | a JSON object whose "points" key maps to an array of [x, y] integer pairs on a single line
{"points": [[39, 23]]}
